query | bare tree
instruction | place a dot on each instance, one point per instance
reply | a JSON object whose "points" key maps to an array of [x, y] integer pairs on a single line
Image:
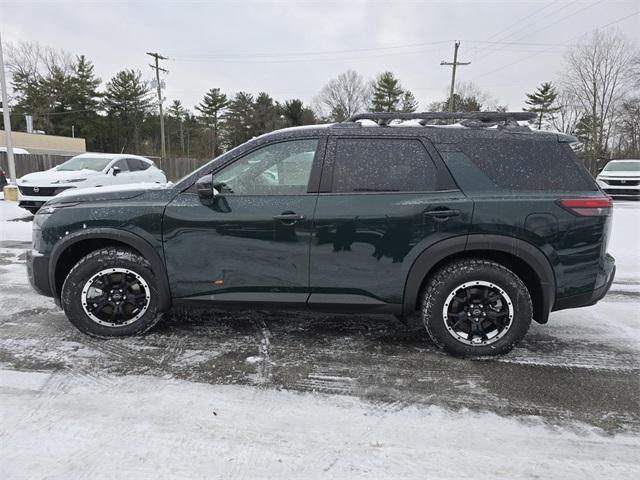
{"points": [[598, 73], [566, 118], [33, 61], [343, 96], [627, 129]]}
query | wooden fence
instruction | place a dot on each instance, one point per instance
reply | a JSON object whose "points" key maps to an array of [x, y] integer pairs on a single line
{"points": [[174, 168]]}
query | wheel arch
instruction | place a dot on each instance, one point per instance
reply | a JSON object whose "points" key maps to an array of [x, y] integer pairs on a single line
{"points": [[75, 246], [524, 259]]}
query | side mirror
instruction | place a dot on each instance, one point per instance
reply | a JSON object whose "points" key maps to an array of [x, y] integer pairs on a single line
{"points": [[206, 190], [115, 171]]}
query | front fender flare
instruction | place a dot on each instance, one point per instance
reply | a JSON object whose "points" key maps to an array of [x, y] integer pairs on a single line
{"points": [[122, 236]]}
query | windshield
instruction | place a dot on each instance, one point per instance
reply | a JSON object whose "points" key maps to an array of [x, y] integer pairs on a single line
{"points": [[632, 166], [84, 163]]}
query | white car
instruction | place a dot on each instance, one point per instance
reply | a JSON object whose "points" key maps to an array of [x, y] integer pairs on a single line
{"points": [[84, 171], [621, 178]]}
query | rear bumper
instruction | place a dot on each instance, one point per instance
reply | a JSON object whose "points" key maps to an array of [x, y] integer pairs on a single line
{"points": [[603, 284], [38, 272]]}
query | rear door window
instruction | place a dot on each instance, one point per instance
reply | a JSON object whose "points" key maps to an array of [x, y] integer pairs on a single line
{"points": [[136, 164], [516, 165], [382, 165]]}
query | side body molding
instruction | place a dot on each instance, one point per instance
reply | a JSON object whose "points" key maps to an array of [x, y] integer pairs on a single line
{"points": [[521, 249], [121, 236]]}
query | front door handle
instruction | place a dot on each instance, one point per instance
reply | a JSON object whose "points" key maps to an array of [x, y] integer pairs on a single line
{"points": [[288, 218], [442, 213]]}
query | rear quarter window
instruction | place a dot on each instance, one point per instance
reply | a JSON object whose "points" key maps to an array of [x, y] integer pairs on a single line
{"points": [[517, 165], [136, 164]]}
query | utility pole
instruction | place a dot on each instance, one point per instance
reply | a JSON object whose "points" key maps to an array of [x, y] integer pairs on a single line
{"points": [[455, 63], [157, 68], [7, 118]]}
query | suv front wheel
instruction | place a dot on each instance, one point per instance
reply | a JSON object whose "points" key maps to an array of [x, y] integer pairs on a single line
{"points": [[111, 292], [475, 307]]}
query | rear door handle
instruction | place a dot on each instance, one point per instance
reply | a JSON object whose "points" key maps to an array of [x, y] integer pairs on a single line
{"points": [[444, 213]]}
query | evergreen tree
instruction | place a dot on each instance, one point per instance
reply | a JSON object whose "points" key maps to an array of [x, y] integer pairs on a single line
{"points": [[58, 86], [295, 113], [212, 109], [177, 115], [265, 116], [462, 104], [542, 102], [62, 98], [409, 103], [127, 101], [387, 93], [84, 102], [238, 127]]}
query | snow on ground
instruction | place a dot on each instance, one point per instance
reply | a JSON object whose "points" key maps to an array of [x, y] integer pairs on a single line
{"points": [[144, 427], [302, 395]]}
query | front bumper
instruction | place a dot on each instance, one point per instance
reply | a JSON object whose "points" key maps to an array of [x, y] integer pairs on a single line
{"points": [[37, 195], [602, 286], [629, 189], [38, 272]]}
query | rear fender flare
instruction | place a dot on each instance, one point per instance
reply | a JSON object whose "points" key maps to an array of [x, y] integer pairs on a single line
{"points": [[435, 254]]}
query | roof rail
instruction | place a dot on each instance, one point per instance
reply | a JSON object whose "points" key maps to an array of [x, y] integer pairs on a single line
{"points": [[386, 118]]}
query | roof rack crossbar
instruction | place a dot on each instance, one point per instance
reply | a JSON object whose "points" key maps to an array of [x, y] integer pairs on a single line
{"points": [[385, 118]]}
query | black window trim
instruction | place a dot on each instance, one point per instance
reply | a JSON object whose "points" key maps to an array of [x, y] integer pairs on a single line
{"points": [[444, 180]]}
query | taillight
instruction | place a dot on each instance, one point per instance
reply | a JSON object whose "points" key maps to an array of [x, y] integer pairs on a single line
{"points": [[588, 207]]}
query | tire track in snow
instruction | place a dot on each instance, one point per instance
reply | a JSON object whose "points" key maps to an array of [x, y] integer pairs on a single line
{"points": [[264, 371]]}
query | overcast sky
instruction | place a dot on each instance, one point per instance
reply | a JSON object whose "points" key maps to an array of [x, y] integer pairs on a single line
{"points": [[291, 48]]}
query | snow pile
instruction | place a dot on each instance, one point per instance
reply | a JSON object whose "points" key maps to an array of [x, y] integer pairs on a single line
{"points": [[624, 243], [15, 222]]}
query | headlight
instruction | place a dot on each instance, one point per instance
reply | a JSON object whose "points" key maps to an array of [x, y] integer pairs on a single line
{"points": [[75, 180], [49, 209]]}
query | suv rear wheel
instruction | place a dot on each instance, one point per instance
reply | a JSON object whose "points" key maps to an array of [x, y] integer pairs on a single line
{"points": [[476, 307], [111, 292]]}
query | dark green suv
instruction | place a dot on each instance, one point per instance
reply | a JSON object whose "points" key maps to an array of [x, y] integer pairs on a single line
{"points": [[480, 226]]}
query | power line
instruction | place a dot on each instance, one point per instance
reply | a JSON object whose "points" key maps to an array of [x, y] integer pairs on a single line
{"points": [[276, 60], [299, 54], [546, 25], [287, 57], [518, 22], [571, 39]]}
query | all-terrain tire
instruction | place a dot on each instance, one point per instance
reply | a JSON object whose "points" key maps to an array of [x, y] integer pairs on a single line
{"points": [[90, 265], [444, 281]]}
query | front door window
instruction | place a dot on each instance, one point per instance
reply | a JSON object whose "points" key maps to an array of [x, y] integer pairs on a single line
{"points": [[278, 169]]}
